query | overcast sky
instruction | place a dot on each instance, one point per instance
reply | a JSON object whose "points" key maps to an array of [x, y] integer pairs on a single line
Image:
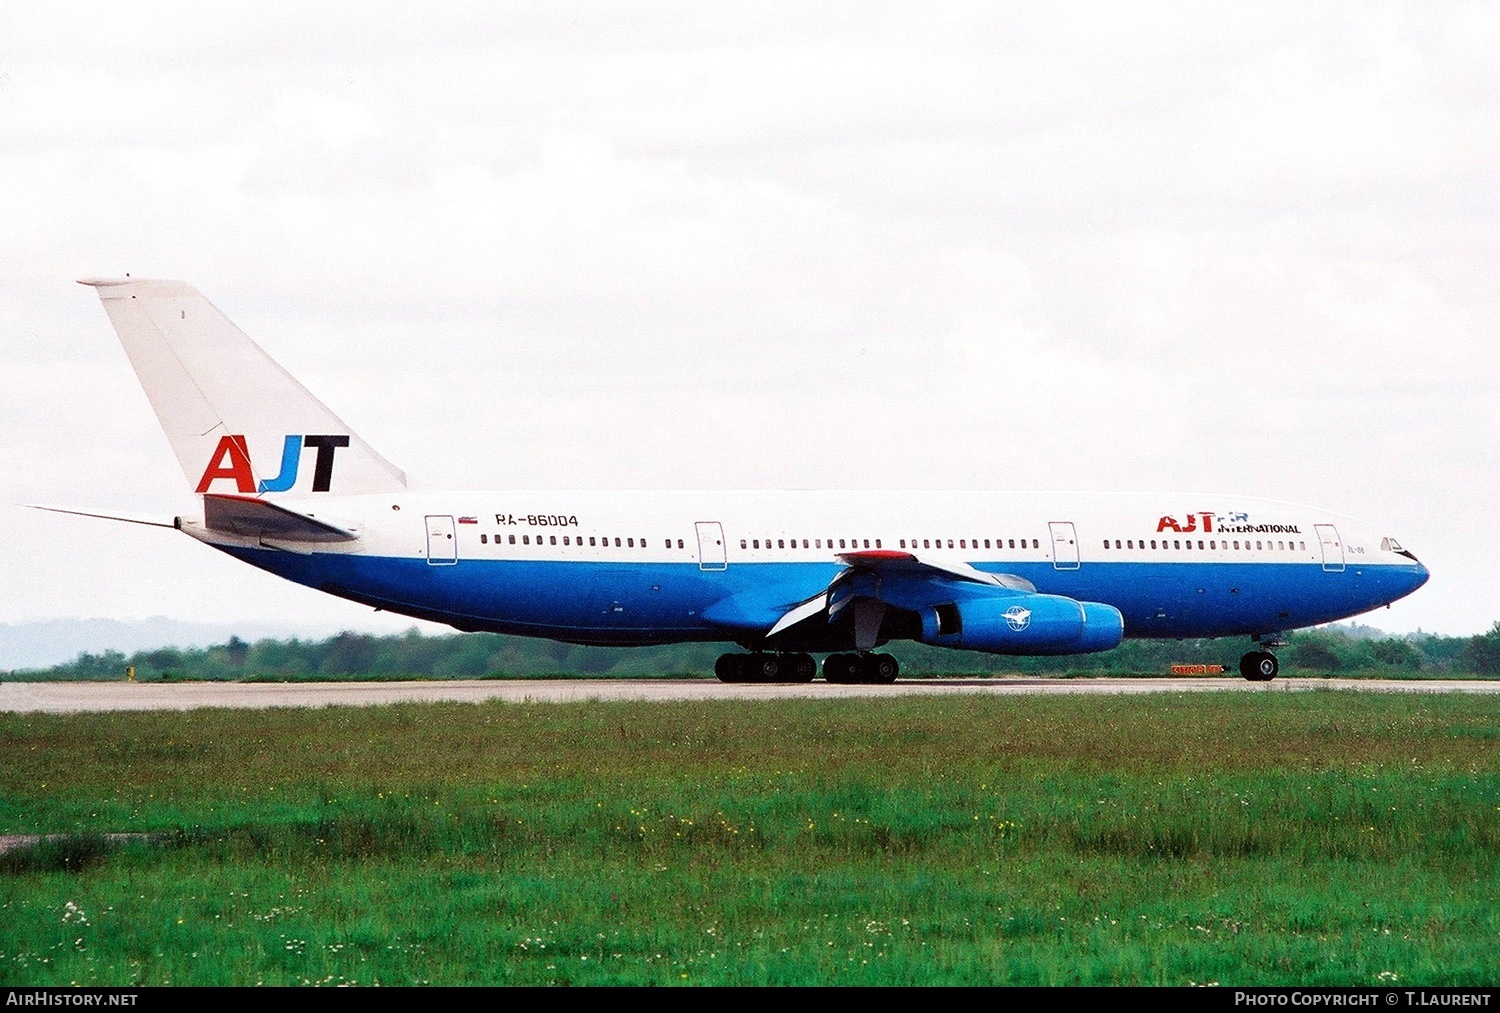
{"points": [[1250, 249]]}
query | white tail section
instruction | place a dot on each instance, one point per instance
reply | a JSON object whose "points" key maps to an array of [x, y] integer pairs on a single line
{"points": [[237, 421]]}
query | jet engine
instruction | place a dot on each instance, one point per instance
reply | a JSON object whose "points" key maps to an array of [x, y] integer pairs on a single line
{"points": [[1024, 624]]}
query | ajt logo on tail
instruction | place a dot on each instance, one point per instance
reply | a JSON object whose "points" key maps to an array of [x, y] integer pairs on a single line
{"points": [[231, 459]]}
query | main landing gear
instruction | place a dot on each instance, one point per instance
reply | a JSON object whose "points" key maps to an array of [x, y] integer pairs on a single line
{"points": [[880, 669], [1259, 666], [839, 668], [761, 667]]}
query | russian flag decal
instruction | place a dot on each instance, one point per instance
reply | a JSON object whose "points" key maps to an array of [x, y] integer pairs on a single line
{"points": [[468, 520]]}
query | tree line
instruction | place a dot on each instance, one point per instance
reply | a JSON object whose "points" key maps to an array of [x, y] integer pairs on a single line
{"points": [[1328, 651]]}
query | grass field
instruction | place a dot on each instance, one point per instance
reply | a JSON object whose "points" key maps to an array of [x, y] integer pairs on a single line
{"points": [[1238, 838]]}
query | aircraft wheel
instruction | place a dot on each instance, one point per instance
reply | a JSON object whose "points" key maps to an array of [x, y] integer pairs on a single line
{"points": [[765, 668], [881, 669], [841, 669], [802, 668], [1259, 666], [727, 668]]}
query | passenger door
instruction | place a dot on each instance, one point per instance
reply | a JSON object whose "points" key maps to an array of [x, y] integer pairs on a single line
{"points": [[442, 544], [712, 554], [1333, 549], [1064, 545]]}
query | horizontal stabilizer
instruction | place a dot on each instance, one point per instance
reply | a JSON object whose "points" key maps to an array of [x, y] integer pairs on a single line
{"points": [[155, 522], [257, 518]]}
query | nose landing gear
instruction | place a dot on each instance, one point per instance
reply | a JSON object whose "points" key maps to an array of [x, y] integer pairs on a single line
{"points": [[1259, 666]]}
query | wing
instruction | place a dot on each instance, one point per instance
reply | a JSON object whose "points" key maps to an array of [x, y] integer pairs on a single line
{"points": [[894, 561], [880, 576]]}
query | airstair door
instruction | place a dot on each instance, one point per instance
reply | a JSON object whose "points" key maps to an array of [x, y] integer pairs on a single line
{"points": [[711, 550], [1064, 545], [442, 545], [1333, 549]]}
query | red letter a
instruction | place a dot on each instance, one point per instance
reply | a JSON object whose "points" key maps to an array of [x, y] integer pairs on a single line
{"points": [[237, 467]]}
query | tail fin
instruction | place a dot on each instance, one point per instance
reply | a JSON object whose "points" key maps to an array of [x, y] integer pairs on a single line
{"points": [[237, 421]]}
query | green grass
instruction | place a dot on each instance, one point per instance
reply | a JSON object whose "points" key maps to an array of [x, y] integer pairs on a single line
{"points": [[1267, 838]]}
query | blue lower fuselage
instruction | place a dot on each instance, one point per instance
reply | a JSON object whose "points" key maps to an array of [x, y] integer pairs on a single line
{"points": [[663, 602]]}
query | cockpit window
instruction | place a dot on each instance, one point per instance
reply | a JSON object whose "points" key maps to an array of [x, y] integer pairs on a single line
{"points": [[1395, 545]]}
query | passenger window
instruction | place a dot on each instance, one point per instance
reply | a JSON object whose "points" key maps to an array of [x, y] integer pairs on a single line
{"points": [[818, 543], [986, 543], [1304, 545], [1176, 545], [484, 539], [841, 543], [1281, 546], [679, 543], [1012, 543], [1212, 544], [552, 540], [903, 543], [512, 539], [867, 543], [962, 544], [926, 543], [877, 543], [525, 539], [1130, 543], [804, 543], [565, 540], [744, 544], [756, 543], [780, 543], [1035, 544], [1257, 545], [1153, 543], [950, 543], [617, 542]]}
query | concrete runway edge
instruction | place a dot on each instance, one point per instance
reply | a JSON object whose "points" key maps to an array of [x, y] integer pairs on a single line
{"points": [[85, 697]]}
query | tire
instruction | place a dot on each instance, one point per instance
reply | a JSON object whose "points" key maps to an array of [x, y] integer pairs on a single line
{"points": [[801, 668], [727, 668], [767, 667], [841, 669], [881, 669], [1259, 666]]}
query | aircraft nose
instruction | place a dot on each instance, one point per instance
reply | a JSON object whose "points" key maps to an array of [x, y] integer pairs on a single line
{"points": [[1419, 575]]}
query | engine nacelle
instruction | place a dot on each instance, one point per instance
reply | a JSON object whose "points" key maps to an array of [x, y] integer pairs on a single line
{"points": [[1024, 624]]}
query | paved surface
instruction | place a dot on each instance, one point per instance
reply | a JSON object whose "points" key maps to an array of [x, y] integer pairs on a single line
{"points": [[76, 697]]}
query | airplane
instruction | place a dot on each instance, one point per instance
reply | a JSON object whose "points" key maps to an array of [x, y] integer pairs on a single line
{"points": [[286, 486]]}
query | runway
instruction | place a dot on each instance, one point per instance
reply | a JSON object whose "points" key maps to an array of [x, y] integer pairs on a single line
{"points": [[83, 697]]}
